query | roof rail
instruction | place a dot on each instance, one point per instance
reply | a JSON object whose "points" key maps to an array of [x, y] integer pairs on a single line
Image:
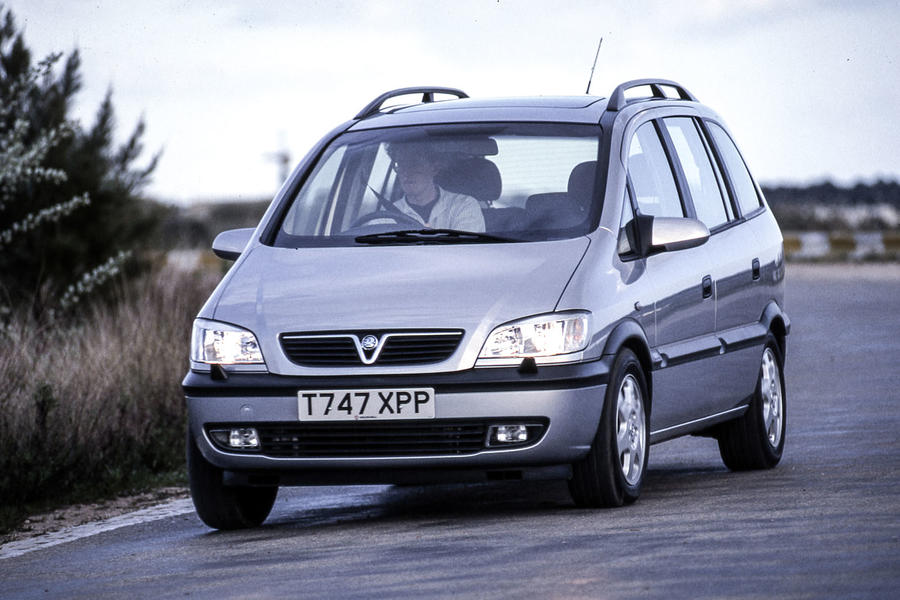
{"points": [[617, 101], [427, 96]]}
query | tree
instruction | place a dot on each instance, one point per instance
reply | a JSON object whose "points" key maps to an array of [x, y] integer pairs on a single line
{"points": [[71, 209]]}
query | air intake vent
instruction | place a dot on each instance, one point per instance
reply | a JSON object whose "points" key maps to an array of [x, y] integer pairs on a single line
{"points": [[373, 439], [375, 348], [321, 351]]}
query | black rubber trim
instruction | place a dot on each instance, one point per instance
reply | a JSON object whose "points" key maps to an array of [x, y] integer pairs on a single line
{"points": [[708, 347], [751, 341], [556, 377], [715, 345]]}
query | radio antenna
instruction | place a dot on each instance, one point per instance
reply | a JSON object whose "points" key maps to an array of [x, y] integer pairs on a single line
{"points": [[591, 78]]}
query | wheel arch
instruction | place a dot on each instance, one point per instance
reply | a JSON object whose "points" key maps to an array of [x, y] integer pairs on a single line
{"points": [[629, 334], [777, 322]]}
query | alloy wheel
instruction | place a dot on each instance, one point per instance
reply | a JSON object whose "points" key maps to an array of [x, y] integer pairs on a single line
{"points": [[631, 431], [772, 398]]}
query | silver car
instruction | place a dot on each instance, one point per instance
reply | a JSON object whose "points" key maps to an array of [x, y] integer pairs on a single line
{"points": [[474, 290]]}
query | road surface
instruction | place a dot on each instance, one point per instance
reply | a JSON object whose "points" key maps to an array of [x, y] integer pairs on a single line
{"points": [[824, 524]]}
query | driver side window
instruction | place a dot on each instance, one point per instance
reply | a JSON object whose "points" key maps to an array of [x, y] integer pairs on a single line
{"points": [[651, 175], [380, 181]]}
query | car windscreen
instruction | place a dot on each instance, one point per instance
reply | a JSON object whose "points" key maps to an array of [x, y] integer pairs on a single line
{"points": [[439, 184]]}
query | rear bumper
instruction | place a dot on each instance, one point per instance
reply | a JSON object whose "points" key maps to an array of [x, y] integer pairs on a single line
{"points": [[568, 399]]}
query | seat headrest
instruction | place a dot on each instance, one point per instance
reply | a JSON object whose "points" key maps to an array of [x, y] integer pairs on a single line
{"points": [[553, 210], [474, 176], [545, 203], [581, 183]]}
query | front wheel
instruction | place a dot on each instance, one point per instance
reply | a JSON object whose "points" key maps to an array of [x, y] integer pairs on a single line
{"points": [[221, 506], [756, 439], [613, 471]]}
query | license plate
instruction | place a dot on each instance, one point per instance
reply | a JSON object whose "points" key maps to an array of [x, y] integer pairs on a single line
{"points": [[357, 405]]}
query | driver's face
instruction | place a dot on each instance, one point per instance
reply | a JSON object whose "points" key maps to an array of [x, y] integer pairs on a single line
{"points": [[416, 176]]}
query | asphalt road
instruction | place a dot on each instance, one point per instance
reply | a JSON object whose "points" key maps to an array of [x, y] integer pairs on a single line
{"points": [[824, 524]]}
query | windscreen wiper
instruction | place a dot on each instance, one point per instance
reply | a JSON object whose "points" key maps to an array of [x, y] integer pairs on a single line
{"points": [[430, 236]]}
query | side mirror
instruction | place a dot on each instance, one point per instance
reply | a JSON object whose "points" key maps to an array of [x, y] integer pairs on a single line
{"points": [[229, 244], [665, 234]]}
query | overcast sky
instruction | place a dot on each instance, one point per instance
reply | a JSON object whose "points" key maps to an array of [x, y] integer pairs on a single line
{"points": [[811, 89]]}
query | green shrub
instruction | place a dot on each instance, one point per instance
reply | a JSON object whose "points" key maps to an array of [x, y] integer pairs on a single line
{"points": [[72, 211]]}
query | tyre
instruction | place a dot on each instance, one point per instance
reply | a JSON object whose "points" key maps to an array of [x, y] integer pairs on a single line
{"points": [[756, 439], [613, 471], [221, 506]]}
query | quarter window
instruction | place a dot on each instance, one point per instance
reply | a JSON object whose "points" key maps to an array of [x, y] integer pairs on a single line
{"points": [[698, 171], [741, 182], [627, 244], [310, 211], [651, 175]]}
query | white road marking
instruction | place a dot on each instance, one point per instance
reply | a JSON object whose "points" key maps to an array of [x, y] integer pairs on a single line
{"points": [[70, 534], [346, 497]]}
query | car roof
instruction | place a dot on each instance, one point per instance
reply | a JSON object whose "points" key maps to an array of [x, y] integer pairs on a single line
{"points": [[554, 109], [584, 109]]}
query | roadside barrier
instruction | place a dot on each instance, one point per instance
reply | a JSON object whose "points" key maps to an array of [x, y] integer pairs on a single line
{"points": [[825, 245]]}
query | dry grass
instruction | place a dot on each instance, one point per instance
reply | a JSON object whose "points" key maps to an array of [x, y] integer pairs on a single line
{"points": [[93, 406]]}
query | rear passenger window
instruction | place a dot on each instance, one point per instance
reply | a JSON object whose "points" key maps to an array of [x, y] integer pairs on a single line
{"points": [[698, 170], [741, 182], [651, 175]]}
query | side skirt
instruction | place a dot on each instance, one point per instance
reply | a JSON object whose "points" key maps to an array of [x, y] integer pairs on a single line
{"points": [[696, 425]]}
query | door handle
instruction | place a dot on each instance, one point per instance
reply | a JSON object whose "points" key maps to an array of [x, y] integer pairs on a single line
{"points": [[707, 286], [755, 268]]}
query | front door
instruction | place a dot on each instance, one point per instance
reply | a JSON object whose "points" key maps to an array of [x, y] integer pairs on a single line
{"points": [[678, 286]]}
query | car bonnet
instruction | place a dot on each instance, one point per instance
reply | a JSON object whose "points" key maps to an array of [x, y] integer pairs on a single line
{"points": [[469, 287]]}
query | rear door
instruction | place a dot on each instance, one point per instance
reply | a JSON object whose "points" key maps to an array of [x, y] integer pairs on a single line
{"points": [[741, 295]]}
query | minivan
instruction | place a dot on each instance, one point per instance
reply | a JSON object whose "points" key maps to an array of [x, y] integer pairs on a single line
{"points": [[464, 290]]}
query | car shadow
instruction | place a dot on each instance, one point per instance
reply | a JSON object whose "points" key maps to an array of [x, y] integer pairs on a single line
{"points": [[432, 505]]}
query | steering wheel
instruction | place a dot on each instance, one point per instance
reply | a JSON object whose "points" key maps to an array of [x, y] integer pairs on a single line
{"points": [[395, 215]]}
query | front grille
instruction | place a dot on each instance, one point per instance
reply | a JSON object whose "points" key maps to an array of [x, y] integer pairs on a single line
{"points": [[414, 349], [321, 351], [392, 349], [372, 439]]}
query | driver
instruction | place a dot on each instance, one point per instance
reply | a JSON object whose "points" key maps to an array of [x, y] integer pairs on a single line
{"points": [[425, 201]]}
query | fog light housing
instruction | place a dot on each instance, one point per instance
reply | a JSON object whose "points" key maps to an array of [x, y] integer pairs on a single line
{"points": [[245, 438], [236, 438], [509, 434]]}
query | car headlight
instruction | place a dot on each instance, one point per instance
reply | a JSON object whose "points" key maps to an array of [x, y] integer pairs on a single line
{"points": [[539, 337], [222, 344]]}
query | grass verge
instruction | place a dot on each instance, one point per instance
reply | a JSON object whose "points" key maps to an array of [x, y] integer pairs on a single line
{"points": [[92, 408]]}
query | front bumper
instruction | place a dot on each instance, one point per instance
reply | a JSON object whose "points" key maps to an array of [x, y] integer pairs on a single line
{"points": [[566, 399]]}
